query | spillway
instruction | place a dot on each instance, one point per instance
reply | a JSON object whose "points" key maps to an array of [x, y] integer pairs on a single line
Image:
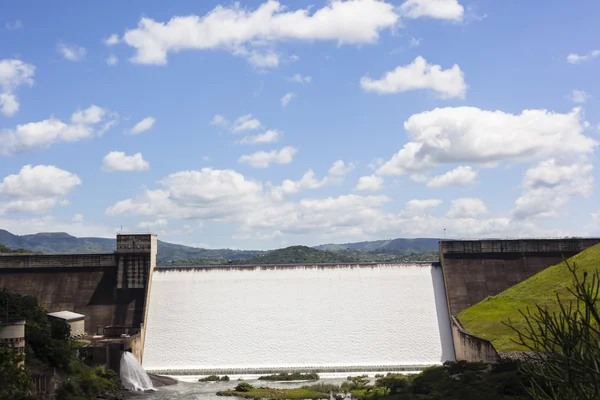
{"points": [[323, 317]]}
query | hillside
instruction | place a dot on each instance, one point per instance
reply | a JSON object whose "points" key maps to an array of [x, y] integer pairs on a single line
{"points": [[391, 246], [59, 242], [484, 319], [298, 255]]}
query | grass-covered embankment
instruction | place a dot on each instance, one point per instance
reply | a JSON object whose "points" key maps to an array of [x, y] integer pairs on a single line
{"points": [[294, 376], [486, 319], [275, 394]]}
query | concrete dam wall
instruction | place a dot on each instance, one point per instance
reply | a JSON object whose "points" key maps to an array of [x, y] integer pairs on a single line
{"points": [[328, 317], [109, 289]]}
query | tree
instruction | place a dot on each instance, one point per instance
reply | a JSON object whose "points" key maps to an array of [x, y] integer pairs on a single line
{"points": [[391, 383], [358, 382], [14, 380], [564, 346]]}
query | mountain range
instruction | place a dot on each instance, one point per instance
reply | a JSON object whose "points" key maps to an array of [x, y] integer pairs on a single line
{"points": [[170, 253]]}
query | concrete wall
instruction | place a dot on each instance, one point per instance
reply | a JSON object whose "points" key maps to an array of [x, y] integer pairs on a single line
{"points": [[471, 348], [109, 289], [474, 270]]}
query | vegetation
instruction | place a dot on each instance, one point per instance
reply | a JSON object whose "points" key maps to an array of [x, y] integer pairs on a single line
{"points": [[297, 255], [564, 345], [451, 381], [213, 378], [243, 387], [294, 376], [48, 346], [486, 319], [4, 249], [15, 382]]}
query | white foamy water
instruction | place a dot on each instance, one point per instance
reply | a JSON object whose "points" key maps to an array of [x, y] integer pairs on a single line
{"points": [[133, 376], [219, 318]]}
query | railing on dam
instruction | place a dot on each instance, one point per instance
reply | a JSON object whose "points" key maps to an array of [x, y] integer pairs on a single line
{"points": [[303, 370], [570, 245]]}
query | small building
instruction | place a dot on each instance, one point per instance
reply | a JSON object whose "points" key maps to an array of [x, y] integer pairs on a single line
{"points": [[75, 321], [12, 334]]}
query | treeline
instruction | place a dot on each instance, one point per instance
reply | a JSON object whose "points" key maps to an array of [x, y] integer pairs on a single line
{"points": [[48, 347]]}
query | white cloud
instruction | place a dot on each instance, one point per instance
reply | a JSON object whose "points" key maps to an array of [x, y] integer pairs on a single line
{"points": [[285, 100], [71, 52], [112, 60], [219, 120], [11, 26], [339, 168], [579, 96], [36, 189], [419, 75], [438, 9], [298, 78], [119, 161], [460, 176], [142, 126], [548, 186], [417, 206], [262, 159], [13, 73], [596, 216], [241, 31], [369, 184], [466, 208], [245, 123], [77, 218], [468, 134], [84, 124], [152, 224], [289, 187], [269, 136], [112, 40], [414, 42], [294, 58], [577, 58]]}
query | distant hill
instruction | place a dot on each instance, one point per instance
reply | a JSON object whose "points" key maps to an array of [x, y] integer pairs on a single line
{"points": [[485, 319], [393, 250], [298, 255], [391, 246], [59, 242]]}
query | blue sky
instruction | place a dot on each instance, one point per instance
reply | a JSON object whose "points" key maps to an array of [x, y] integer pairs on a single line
{"points": [[265, 124]]}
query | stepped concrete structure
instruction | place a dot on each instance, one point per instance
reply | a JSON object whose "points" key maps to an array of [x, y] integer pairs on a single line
{"points": [[110, 290]]}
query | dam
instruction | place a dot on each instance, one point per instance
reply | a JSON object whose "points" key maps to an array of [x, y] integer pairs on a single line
{"points": [[334, 318], [249, 319]]}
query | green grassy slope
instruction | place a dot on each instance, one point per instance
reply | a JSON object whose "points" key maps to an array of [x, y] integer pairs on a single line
{"points": [[298, 255], [484, 319]]}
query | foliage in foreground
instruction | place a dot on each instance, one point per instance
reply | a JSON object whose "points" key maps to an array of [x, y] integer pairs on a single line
{"points": [[277, 394], [213, 378], [294, 376], [564, 345], [485, 319], [48, 345]]}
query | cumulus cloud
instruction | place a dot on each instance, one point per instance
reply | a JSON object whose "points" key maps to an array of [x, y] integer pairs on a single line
{"points": [[579, 96], [548, 186], [112, 40], [371, 183], [418, 206], [245, 123], [414, 42], [112, 60], [71, 51], [339, 168], [152, 224], [84, 123], [253, 33], [419, 75], [269, 136], [13, 73], [142, 126], [298, 78], [219, 120], [262, 159], [438, 9], [119, 161], [36, 189], [574, 58], [469, 134], [11, 26], [285, 100], [466, 208], [460, 176], [289, 187], [77, 218]]}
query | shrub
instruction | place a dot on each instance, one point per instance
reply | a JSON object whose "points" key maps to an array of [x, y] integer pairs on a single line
{"points": [[243, 387]]}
